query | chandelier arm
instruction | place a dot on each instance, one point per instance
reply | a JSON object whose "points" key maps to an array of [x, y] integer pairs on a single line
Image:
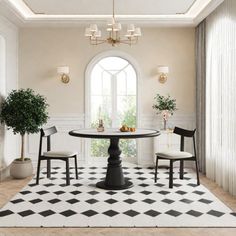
{"points": [[129, 41], [97, 41]]}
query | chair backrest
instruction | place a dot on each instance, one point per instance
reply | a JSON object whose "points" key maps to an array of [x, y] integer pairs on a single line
{"points": [[49, 131], [188, 134], [46, 133]]}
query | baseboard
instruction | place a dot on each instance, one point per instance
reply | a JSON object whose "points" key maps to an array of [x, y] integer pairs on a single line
{"points": [[4, 173]]}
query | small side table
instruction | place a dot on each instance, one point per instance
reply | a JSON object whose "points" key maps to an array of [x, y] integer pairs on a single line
{"points": [[166, 141]]}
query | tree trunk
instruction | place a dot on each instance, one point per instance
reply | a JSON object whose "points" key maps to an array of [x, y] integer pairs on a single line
{"points": [[22, 156]]}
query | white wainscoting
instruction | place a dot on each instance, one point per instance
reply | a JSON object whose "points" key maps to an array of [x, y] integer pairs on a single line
{"points": [[60, 141], [145, 146], [64, 124]]}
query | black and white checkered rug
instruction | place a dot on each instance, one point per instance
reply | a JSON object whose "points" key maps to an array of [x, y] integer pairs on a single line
{"points": [[52, 204]]}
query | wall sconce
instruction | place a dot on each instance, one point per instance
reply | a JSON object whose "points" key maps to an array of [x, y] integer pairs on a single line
{"points": [[64, 72], [162, 71]]}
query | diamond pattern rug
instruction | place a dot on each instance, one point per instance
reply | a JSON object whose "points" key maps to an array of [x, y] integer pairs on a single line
{"points": [[146, 204]]}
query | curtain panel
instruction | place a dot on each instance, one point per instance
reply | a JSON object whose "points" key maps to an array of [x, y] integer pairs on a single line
{"points": [[200, 61], [221, 96]]}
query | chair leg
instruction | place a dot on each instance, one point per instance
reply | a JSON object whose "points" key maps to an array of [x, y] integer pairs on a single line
{"points": [[197, 171], [67, 172], [76, 168], [181, 170], [38, 171], [48, 168], [171, 174], [155, 178]]}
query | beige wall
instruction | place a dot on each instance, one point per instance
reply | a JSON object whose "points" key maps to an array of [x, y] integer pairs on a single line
{"points": [[41, 50]]}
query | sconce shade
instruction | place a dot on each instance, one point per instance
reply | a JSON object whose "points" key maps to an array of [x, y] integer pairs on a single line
{"points": [[63, 70], [162, 69]]}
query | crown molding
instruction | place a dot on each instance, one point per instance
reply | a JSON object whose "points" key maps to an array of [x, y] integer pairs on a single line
{"points": [[209, 8], [24, 17]]}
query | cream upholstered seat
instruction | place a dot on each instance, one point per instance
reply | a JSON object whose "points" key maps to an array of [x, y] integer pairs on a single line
{"points": [[174, 154], [60, 154]]}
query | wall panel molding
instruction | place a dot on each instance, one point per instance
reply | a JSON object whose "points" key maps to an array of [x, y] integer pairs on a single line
{"points": [[66, 123], [145, 146], [61, 140]]}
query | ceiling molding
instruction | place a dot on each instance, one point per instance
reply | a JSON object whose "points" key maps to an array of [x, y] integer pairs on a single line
{"points": [[26, 18], [206, 11]]}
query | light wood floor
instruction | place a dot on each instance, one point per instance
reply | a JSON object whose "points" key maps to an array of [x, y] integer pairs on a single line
{"points": [[10, 187]]}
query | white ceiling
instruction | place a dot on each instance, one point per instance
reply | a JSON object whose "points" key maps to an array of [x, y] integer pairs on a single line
{"points": [[151, 13], [104, 7]]}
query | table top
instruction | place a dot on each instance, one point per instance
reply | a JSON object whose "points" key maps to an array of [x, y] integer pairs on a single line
{"points": [[114, 133]]}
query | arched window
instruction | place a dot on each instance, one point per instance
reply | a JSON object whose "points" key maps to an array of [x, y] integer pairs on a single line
{"points": [[113, 98]]}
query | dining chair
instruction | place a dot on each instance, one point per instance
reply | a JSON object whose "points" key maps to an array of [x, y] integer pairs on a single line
{"points": [[54, 155], [181, 155]]}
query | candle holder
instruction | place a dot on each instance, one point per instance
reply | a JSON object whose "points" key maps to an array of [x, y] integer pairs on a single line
{"points": [[100, 127]]}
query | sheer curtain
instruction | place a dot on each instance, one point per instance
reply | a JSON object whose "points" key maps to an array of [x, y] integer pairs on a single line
{"points": [[221, 96]]}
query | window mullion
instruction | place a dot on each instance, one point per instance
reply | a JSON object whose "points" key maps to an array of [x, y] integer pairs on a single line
{"points": [[114, 101]]}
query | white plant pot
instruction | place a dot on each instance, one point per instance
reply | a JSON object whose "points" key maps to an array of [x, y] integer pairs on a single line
{"points": [[21, 169]]}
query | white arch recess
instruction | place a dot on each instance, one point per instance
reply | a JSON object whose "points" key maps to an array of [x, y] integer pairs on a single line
{"points": [[2, 66], [2, 92], [89, 68]]}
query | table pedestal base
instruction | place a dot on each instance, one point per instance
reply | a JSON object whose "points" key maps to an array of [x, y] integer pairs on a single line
{"points": [[114, 177], [103, 185]]}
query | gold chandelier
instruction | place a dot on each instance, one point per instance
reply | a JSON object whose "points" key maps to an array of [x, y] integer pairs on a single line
{"points": [[113, 29]]}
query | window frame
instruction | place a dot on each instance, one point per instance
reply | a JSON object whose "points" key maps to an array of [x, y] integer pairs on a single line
{"points": [[88, 71]]}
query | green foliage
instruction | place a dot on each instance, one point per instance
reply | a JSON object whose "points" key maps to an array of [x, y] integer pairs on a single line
{"points": [[128, 147], [99, 147], [129, 115], [164, 103], [24, 111]]}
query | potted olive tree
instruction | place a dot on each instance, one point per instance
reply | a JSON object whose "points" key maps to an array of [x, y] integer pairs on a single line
{"points": [[24, 112], [164, 106]]}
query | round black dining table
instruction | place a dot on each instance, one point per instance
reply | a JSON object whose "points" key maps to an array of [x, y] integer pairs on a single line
{"points": [[115, 179]]}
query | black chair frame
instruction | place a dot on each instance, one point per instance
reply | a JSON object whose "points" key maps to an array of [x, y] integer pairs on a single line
{"points": [[183, 133], [46, 133]]}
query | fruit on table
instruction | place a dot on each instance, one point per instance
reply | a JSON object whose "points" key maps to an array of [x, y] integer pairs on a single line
{"points": [[125, 128], [132, 129]]}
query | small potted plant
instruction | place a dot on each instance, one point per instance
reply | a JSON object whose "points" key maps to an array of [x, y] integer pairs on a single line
{"points": [[165, 106], [24, 112]]}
